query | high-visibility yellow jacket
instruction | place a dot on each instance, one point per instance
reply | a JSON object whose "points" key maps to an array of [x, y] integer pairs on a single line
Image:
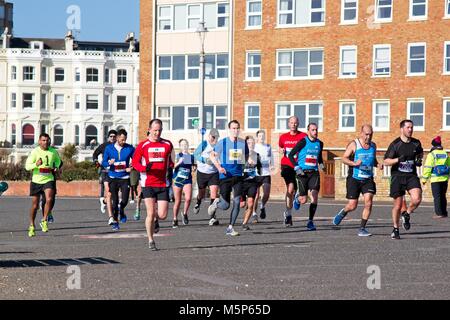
{"points": [[437, 166]]}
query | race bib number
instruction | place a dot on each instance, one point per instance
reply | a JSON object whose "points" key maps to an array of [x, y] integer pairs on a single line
{"points": [[311, 160], [45, 171], [365, 172], [156, 154], [406, 166], [235, 155], [184, 173], [120, 166]]}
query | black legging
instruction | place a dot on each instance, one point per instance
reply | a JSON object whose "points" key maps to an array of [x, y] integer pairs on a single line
{"points": [[114, 186], [439, 190]]}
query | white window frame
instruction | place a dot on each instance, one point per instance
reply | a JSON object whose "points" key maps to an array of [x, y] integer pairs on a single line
{"points": [[32, 73], [106, 103], [221, 15], [247, 116], [374, 61], [63, 74], [43, 106], [193, 17], [92, 75], [33, 101], [189, 68], [383, 20], [416, 44], [313, 10], [292, 51], [409, 114], [349, 22], [89, 99], [253, 14], [292, 104], [285, 12], [341, 115], [164, 18], [446, 70], [341, 62], [293, 11], [107, 76], [44, 74], [418, 18], [447, 9], [249, 66], [77, 102], [374, 115], [445, 126], [13, 73], [53, 135], [13, 100], [117, 103], [121, 76], [77, 74], [63, 102]]}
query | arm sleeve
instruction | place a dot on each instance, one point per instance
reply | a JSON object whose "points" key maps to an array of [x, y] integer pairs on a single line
{"points": [[57, 159], [105, 163], [298, 147], [31, 162], [271, 160], [280, 143], [97, 152], [247, 152], [137, 160], [198, 152], [258, 164], [172, 153], [320, 158], [390, 153]]}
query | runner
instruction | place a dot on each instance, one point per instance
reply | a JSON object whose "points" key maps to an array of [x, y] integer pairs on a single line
{"points": [[360, 156], [118, 158], [41, 162], [264, 180], [152, 159], [182, 182], [207, 174], [229, 156], [56, 173], [103, 177], [404, 155], [436, 167], [252, 170], [307, 164], [286, 143]]}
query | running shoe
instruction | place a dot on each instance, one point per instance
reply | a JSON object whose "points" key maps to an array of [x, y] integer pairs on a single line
{"points": [[395, 235], [111, 221], [231, 232], [152, 246], [50, 218], [262, 213], [310, 226], [213, 222], [137, 214], [196, 209], [363, 232], [174, 224], [44, 226], [156, 226], [122, 215], [185, 219], [338, 218], [405, 220], [31, 231], [213, 207], [115, 226], [102, 205], [132, 201], [287, 219], [254, 218], [245, 227], [296, 202]]}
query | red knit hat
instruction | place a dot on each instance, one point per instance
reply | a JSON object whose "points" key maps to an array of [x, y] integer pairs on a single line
{"points": [[436, 141]]}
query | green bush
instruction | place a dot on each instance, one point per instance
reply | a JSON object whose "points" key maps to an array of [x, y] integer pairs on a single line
{"points": [[13, 172]]}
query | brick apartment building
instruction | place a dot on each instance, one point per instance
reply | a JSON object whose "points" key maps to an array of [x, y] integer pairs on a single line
{"points": [[341, 63]]}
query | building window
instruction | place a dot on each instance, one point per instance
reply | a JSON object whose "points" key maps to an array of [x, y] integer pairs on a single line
{"points": [[92, 102], [43, 101], [301, 13], [193, 16], [122, 76], [77, 74], [44, 77], [222, 66], [383, 10], [418, 9], [349, 11], [164, 67], [43, 128], [416, 59], [347, 116], [165, 18], [447, 57], [253, 66], [416, 112], [13, 134], [107, 75], [59, 75], [179, 68], [174, 117], [254, 14], [446, 114], [28, 73], [77, 135], [380, 113], [192, 114], [59, 102], [447, 8], [28, 135], [92, 75], [307, 112], [223, 11], [193, 68], [252, 116], [28, 101], [121, 103], [381, 60], [307, 64], [91, 136], [13, 73], [13, 100], [164, 116], [58, 135], [106, 103], [348, 65], [77, 102]]}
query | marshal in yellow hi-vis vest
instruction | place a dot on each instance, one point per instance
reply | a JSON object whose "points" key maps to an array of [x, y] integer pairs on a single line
{"points": [[437, 166]]}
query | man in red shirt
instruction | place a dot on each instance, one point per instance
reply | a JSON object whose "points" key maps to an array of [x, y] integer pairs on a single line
{"points": [[286, 143], [152, 159]]}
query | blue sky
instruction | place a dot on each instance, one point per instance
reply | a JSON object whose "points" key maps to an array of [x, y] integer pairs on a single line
{"points": [[100, 20]]}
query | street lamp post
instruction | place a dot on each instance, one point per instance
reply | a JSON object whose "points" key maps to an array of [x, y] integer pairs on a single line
{"points": [[201, 30]]}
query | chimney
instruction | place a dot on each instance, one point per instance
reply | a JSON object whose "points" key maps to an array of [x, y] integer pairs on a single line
{"points": [[131, 41], [6, 37], [69, 40]]}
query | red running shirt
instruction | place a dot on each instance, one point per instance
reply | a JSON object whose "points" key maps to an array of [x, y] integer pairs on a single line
{"points": [[159, 153], [288, 142]]}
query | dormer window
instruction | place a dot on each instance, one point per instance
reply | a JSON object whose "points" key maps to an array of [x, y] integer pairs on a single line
{"points": [[37, 45]]}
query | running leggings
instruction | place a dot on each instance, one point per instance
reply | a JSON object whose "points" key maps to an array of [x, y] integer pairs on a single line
{"points": [[224, 205], [124, 186]]}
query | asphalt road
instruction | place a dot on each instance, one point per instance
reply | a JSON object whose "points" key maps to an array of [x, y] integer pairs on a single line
{"points": [[200, 262]]}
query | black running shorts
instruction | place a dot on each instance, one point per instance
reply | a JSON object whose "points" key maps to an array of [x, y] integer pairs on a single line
{"points": [[263, 180], [205, 180], [161, 194], [355, 187], [308, 181], [249, 188], [400, 184], [289, 176], [36, 189]]}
